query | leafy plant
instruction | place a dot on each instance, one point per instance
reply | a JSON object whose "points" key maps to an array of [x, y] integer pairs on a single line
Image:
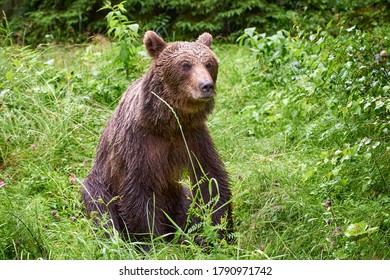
{"points": [[126, 33], [359, 229], [37, 22], [5, 32], [332, 94]]}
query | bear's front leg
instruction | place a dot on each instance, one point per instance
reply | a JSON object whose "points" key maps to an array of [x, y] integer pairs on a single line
{"points": [[208, 170]]}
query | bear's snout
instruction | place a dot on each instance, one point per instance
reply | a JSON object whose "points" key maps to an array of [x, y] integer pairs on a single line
{"points": [[207, 89]]}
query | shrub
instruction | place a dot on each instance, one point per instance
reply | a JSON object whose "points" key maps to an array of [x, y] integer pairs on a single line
{"points": [[334, 93], [75, 20], [316, 108]]}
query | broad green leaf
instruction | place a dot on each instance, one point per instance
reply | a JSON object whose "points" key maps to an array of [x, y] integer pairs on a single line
{"points": [[9, 75], [17, 63], [359, 229], [351, 28], [250, 31], [134, 27], [329, 25]]}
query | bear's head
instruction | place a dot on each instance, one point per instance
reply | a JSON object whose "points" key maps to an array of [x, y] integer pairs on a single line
{"points": [[187, 70]]}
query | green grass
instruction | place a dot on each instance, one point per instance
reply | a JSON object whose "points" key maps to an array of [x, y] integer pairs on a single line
{"points": [[291, 132]]}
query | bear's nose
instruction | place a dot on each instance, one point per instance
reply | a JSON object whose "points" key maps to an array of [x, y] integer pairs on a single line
{"points": [[207, 89]]}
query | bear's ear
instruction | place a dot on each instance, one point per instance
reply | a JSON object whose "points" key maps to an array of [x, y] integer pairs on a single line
{"points": [[154, 44], [205, 39]]}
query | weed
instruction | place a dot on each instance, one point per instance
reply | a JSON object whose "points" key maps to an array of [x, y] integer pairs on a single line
{"points": [[126, 32]]}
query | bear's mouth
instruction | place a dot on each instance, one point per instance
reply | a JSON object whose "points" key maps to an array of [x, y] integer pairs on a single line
{"points": [[199, 96], [193, 105], [203, 99]]}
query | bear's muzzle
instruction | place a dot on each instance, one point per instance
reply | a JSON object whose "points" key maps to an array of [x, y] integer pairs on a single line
{"points": [[207, 89]]}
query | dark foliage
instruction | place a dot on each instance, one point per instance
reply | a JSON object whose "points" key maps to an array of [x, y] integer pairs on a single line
{"points": [[39, 21]]}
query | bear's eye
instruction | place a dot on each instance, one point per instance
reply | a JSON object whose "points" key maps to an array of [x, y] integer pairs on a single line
{"points": [[209, 65], [186, 66]]}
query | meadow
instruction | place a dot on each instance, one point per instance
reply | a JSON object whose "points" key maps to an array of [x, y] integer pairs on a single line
{"points": [[301, 121]]}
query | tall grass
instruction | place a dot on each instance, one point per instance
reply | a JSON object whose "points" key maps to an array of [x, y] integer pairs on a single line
{"points": [[298, 137]]}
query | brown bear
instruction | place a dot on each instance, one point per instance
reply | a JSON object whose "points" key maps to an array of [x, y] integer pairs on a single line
{"points": [[157, 133]]}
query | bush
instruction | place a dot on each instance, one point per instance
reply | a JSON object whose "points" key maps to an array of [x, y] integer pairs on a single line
{"points": [[328, 99], [333, 92], [76, 20], [48, 21]]}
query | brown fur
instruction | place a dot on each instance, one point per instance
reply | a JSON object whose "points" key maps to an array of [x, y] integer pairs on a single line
{"points": [[142, 155]]}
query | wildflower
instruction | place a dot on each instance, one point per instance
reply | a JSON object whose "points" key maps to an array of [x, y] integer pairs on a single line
{"points": [[72, 179], [262, 247], [328, 203]]}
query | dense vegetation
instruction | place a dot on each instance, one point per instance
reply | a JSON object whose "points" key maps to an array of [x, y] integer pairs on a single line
{"points": [[75, 20], [302, 122]]}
